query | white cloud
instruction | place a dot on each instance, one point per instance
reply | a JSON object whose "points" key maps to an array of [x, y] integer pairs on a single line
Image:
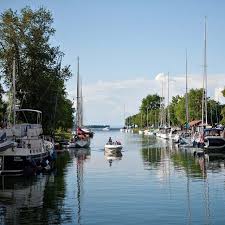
{"points": [[104, 100], [218, 95], [160, 77]]}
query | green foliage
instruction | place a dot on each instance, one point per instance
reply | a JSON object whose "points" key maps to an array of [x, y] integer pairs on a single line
{"points": [[40, 80], [150, 102], [150, 105], [61, 134], [3, 106], [195, 104], [172, 107], [148, 114]]}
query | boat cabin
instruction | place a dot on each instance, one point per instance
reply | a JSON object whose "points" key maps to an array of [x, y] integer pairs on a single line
{"points": [[213, 132]]}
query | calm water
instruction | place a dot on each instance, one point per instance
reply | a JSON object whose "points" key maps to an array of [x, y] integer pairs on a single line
{"points": [[152, 183]]}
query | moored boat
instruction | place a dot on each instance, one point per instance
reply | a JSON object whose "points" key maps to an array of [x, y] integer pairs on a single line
{"points": [[214, 140], [83, 135], [24, 149]]}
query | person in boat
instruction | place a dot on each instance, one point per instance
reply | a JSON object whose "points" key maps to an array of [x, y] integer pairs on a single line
{"points": [[110, 140]]}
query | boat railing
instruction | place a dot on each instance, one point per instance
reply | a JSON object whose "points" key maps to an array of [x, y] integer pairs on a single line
{"points": [[21, 130]]}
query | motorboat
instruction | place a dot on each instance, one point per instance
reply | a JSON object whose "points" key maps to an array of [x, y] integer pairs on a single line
{"points": [[106, 129], [23, 147], [149, 132], [214, 140], [113, 147]]}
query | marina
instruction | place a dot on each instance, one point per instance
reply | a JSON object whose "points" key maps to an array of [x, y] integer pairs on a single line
{"points": [[112, 112], [152, 181]]}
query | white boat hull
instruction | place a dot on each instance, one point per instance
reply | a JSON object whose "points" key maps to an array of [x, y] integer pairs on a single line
{"points": [[113, 148]]}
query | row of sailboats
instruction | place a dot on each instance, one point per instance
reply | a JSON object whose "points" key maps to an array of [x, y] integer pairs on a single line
{"points": [[165, 131]]}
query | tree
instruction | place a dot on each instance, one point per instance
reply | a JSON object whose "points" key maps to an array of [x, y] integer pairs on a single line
{"points": [[2, 106], [150, 109], [172, 108], [40, 80]]}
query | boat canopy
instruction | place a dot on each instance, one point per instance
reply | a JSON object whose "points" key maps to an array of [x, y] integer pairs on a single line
{"points": [[25, 113], [28, 110], [213, 129]]}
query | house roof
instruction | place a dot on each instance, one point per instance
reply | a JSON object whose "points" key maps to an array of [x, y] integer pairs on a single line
{"points": [[195, 123]]}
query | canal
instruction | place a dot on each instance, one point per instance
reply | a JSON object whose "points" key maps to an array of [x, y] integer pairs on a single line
{"points": [[152, 182]]}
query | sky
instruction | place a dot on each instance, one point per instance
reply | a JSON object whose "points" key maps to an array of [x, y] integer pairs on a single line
{"points": [[125, 47]]}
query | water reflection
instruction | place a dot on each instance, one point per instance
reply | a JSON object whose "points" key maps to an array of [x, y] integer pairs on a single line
{"points": [[111, 157], [81, 155], [23, 199], [167, 159], [19, 193], [168, 186]]}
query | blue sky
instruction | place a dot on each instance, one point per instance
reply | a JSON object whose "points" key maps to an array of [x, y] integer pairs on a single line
{"points": [[120, 41]]}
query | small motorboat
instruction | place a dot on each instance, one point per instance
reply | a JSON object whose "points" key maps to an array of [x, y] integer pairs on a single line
{"points": [[106, 129], [113, 147]]}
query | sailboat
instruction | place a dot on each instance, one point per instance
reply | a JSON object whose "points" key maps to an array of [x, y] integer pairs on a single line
{"points": [[82, 135], [164, 129], [185, 139], [22, 147]]}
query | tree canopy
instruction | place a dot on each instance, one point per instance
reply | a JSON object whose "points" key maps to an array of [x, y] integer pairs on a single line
{"points": [[150, 110], [40, 77]]}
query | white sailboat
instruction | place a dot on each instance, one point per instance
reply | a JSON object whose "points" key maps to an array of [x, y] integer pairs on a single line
{"points": [[82, 136], [185, 139], [164, 128]]}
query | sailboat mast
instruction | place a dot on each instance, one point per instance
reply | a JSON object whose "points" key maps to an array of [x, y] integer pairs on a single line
{"points": [[124, 119], [186, 94], [14, 92], [162, 110], [205, 75], [78, 93], [204, 91], [168, 101], [81, 104]]}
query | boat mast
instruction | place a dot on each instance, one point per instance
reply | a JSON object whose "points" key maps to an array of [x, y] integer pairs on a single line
{"points": [[205, 75], [124, 119], [168, 101], [161, 106], [81, 104], [14, 92], [78, 95], [186, 94], [204, 91]]}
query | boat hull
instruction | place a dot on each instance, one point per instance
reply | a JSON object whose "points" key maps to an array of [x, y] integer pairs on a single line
{"points": [[80, 144], [214, 144], [22, 164], [113, 148]]}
